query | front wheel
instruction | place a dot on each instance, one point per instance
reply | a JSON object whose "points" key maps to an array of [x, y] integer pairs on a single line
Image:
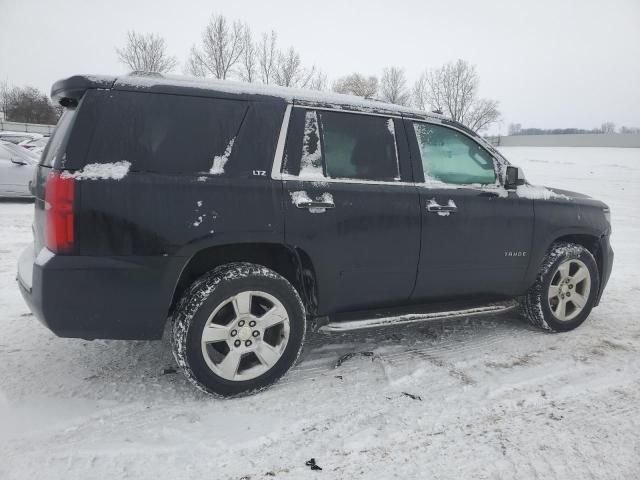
{"points": [[238, 329], [565, 290]]}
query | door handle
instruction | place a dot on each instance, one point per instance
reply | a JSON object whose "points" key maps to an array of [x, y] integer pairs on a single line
{"points": [[316, 206], [435, 207]]}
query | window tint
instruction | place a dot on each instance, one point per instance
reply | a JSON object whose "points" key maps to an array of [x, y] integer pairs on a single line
{"points": [[167, 133], [359, 146], [452, 157], [341, 145], [60, 134]]}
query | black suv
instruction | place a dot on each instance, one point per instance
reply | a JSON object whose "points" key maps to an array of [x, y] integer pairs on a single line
{"points": [[242, 212]]}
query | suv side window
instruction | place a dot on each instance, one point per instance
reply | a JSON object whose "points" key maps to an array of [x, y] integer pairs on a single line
{"points": [[326, 144], [452, 157], [167, 133]]}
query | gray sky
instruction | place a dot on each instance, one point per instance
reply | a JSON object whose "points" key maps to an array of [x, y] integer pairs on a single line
{"points": [[550, 63]]}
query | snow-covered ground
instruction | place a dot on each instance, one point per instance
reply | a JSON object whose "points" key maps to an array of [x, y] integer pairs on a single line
{"points": [[477, 398]]}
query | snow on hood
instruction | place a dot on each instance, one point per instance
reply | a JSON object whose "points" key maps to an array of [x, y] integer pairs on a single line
{"points": [[569, 194], [101, 171], [536, 192], [532, 192]]}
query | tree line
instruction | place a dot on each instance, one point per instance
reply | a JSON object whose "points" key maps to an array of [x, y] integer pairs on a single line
{"points": [[606, 127], [27, 105], [228, 49]]}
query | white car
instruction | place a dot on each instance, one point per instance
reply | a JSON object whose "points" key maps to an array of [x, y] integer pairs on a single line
{"points": [[37, 143], [17, 167], [18, 137]]}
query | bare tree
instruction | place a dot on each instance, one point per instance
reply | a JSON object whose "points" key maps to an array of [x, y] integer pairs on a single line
{"points": [[515, 128], [393, 86], [249, 60], [420, 93], [5, 97], [267, 56], [319, 81], [608, 127], [193, 65], [146, 53], [222, 48], [290, 72], [483, 113], [453, 89], [357, 84]]}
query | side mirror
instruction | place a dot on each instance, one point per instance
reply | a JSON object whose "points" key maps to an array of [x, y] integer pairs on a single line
{"points": [[514, 177], [17, 161]]}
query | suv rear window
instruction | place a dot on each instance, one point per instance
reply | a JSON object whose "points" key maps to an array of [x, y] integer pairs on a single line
{"points": [[166, 133], [53, 150], [328, 144]]}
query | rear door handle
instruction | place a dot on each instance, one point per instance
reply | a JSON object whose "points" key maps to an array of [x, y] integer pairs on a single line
{"points": [[435, 207], [316, 206]]}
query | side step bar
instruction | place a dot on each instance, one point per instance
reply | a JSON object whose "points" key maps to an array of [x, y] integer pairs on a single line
{"points": [[387, 321]]}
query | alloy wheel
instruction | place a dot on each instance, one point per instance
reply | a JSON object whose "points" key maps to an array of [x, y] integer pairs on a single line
{"points": [[245, 335], [569, 289]]}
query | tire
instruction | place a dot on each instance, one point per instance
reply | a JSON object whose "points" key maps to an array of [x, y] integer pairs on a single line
{"points": [[565, 290], [232, 303]]}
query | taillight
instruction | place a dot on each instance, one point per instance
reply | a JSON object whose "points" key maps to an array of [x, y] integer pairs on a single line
{"points": [[58, 198]]}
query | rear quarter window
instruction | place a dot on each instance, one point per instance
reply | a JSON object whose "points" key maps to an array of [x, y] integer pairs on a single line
{"points": [[166, 133], [54, 151]]}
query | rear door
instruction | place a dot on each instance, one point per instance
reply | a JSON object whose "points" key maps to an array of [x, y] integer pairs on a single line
{"points": [[476, 236], [351, 207]]}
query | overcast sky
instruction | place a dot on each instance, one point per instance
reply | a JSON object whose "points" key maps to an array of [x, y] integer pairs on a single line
{"points": [[550, 63]]}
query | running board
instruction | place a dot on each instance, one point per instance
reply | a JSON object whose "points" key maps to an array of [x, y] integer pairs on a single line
{"points": [[387, 321]]}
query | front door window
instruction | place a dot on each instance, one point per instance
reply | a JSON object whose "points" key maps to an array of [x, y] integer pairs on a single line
{"points": [[451, 157]]}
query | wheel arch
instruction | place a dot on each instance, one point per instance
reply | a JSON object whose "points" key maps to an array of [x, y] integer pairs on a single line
{"points": [[291, 262], [589, 240]]}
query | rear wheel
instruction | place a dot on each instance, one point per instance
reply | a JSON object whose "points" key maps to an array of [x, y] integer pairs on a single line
{"points": [[238, 329], [565, 289]]}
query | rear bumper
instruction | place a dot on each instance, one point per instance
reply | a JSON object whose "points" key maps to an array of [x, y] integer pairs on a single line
{"points": [[98, 297], [606, 255]]}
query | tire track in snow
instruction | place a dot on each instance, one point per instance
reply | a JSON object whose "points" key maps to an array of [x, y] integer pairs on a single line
{"points": [[456, 340]]}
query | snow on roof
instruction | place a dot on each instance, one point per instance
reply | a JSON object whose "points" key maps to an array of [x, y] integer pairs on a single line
{"points": [[287, 93]]}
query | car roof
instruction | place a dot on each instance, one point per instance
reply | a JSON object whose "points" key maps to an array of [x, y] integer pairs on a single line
{"points": [[37, 140], [73, 87], [20, 151], [5, 133]]}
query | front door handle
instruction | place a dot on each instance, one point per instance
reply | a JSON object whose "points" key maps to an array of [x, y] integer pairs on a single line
{"points": [[435, 207]]}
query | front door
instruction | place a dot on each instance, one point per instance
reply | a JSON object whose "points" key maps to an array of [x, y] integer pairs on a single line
{"points": [[350, 206], [476, 236]]}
